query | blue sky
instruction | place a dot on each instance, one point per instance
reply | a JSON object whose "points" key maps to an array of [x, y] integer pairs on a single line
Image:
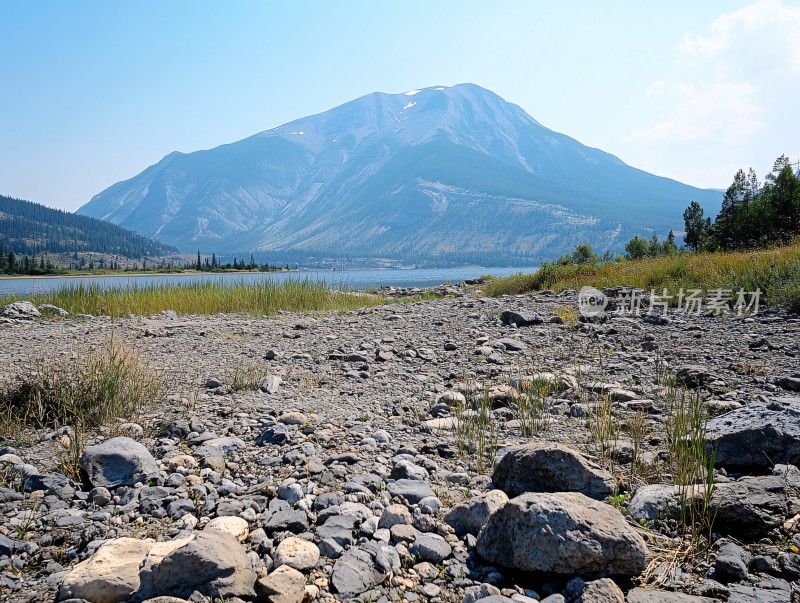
{"points": [[94, 92]]}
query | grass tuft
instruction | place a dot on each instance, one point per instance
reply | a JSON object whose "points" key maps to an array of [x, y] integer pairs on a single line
{"points": [[109, 383]]}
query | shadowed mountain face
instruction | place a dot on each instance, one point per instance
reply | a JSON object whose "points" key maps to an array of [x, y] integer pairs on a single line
{"points": [[436, 173]]}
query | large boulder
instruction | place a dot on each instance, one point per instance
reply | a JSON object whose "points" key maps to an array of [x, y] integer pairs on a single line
{"points": [[470, 516], [757, 435], [108, 576], [565, 533], [209, 564], [118, 462], [550, 467]]}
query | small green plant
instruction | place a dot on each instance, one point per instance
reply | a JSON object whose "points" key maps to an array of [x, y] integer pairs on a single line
{"points": [[363, 418], [618, 502], [248, 377], [529, 403], [691, 461], [637, 430], [30, 512], [604, 430], [476, 429]]}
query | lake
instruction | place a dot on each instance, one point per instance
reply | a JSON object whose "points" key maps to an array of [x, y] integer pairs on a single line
{"points": [[349, 279]]}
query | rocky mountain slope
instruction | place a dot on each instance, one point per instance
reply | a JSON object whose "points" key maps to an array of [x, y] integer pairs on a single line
{"points": [[347, 476], [448, 173]]}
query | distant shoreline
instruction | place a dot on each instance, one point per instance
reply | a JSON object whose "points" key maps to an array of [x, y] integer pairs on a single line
{"points": [[135, 274]]}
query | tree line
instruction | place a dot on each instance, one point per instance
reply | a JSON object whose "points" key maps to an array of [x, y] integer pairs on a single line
{"points": [[32, 229], [753, 214]]}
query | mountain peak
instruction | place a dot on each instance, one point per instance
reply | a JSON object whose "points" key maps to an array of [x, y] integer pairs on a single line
{"points": [[434, 172]]}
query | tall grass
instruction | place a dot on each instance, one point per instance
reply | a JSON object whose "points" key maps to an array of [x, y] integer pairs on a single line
{"points": [[476, 429], [97, 389], [206, 297], [691, 461], [776, 272]]}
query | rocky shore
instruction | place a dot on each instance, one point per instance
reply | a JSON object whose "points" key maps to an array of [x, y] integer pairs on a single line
{"points": [[347, 474]]}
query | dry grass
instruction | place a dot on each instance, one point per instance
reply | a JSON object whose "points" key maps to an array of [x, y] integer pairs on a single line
{"points": [[775, 271]]}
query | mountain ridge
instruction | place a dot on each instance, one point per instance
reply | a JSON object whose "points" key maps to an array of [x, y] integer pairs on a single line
{"points": [[430, 171], [30, 228]]}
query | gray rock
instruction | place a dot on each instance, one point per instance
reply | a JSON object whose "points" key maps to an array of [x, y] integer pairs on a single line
{"points": [[118, 462], [745, 508], [751, 506], [412, 490], [790, 565], [521, 319], [270, 384], [274, 434], [387, 560], [21, 310], [284, 585], [430, 505], [550, 468], [51, 310], [731, 563], [565, 533], [393, 515], [601, 591], [49, 482], [430, 547], [756, 435], [407, 470], [693, 375], [291, 493], [212, 564], [470, 516], [339, 529], [291, 520], [744, 593], [655, 501], [478, 592], [354, 572]]}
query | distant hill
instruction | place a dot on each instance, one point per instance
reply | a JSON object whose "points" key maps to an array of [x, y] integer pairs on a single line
{"points": [[28, 228], [454, 173]]}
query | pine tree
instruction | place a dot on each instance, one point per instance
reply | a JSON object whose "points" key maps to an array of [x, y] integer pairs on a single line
{"points": [[695, 226]]}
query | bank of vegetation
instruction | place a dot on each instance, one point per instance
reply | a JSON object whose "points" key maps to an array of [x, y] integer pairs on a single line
{"points": [[208, 297], [753, 244]]}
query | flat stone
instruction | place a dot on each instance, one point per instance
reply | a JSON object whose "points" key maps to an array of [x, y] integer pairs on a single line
{"points": [[354, 572], [756, 435], [412, 490]]}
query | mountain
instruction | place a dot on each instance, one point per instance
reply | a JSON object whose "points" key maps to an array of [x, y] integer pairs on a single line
{"points": [[449, 173], [31, 229]]}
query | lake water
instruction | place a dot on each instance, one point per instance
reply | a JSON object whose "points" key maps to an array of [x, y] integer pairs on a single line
{"points": [[349, 279]]}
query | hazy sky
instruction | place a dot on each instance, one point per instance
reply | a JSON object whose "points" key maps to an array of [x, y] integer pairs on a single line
{"points": [[93, 92]]}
